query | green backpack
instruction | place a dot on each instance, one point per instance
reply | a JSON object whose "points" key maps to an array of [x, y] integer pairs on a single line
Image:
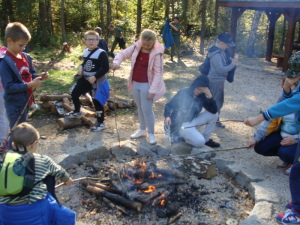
{"points": [[17, 174]]}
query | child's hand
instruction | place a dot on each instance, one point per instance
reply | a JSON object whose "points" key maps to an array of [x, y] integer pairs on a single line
{"points": [[92, 79], [251, 143], [35, 83], [44, 75], [151, 96], [288, 140], [69, 182], [80, 69], [114, 66], [168, 121], [253, 121]]}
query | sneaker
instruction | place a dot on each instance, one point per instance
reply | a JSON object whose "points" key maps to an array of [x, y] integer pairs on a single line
{"points": [[284, 165], [138, 134], [289, 205], [290, 217], [219, 124], [288, 171], [73, 115], [212, 144], [98, 127], [152, 139]]}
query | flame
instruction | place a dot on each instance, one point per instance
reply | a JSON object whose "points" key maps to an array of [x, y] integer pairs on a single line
{"points": [[162, 202], [159, 175], [138, 182], [150, 189]]}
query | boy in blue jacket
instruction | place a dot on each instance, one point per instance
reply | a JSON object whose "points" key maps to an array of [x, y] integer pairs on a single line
{"points": [[18, 76], [290, 104]]}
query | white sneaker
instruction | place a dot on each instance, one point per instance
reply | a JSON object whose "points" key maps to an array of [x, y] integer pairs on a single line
{"points": [[152, 139], [138, 134]]}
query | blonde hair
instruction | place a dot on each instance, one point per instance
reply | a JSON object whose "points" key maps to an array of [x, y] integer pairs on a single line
{"points": [[148, 35], [91, 32], [17, 31], [24, 135]]}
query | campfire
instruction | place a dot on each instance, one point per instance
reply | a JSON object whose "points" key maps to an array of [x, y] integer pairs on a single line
{"points": [[139, 187]]}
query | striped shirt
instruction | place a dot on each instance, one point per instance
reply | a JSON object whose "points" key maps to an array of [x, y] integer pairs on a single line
{"points": [[44, 166]]}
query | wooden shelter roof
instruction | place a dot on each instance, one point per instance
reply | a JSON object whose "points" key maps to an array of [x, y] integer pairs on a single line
{"points": [[290, 9]]}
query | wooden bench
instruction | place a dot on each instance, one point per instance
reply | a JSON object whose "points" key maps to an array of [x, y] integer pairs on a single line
{"points": [[279, 60]]}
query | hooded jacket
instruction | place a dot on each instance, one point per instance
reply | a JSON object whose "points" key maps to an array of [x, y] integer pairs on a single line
{"points": [[155, 67], [184, 107], [220, 64], [16, 91]]}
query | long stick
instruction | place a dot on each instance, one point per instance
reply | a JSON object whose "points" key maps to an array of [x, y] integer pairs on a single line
{"points": [[115, 116], [213, 122]]}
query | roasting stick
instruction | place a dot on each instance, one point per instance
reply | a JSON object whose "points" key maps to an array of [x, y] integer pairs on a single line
{"points": [[115, 115], [242, 121], [81, 178]]}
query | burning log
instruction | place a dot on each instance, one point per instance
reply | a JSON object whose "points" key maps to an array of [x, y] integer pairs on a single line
{"points": [[120, 208], [115, 198], [88, 182], [162, 197]]}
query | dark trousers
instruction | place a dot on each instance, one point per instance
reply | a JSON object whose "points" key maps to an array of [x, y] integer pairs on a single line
{"points": [[295, 181], [119, 41], [270, 146], [82, 87]]}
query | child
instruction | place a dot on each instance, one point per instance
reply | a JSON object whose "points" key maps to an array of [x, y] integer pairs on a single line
{"points": [[184, 110], [277, 137], [290, 104], [3, 119], [102, 43], [18, 76], [93, 71], [39, 206], [145, 79]]}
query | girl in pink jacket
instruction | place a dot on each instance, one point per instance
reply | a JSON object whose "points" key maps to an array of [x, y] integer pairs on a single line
{"points": [[145, 79]]}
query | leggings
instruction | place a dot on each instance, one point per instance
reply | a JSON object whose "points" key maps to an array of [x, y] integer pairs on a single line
{"points": [[82, 87], [145, 110]]}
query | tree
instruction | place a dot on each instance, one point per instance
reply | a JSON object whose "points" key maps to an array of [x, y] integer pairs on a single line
{"points": [[203, 22], [62, 19], [43, 23], [138, 18], [250, 52]]}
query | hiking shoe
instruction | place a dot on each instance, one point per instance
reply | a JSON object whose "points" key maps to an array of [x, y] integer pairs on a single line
{"points": [[289, 205], [73, 115], [152, 139], [219, 124], [288, 171], [284, 165], [290, 217], [98, 127], [212, 144], [138, 134]]}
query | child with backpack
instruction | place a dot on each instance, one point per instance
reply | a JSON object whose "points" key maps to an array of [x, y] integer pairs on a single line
{"points": [[38, 206]]}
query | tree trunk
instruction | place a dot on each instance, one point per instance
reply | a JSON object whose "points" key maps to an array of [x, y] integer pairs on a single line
{"points": [[6, 15], [108, 14], [202, 34], [173, 8], [62, 19], [167, 8], [101, 10], [138, 18], [43, 23], [252, 38], [216, 17], [48, 6], [183, 17]]}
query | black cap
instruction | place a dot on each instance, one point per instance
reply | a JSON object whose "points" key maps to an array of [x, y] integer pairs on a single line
{"points": [[226, 38], [201, 81]]}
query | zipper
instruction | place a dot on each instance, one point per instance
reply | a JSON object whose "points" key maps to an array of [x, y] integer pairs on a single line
{"points": [[6, 172]]}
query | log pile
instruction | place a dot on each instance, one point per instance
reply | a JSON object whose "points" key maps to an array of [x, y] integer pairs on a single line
{"points": [[61, 104]]}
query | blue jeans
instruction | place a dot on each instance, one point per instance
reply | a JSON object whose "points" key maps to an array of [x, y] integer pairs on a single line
{"points": [[270, 146]]}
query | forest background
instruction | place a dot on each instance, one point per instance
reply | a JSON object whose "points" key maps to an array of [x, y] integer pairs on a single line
{"points": [[52, 22]]}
